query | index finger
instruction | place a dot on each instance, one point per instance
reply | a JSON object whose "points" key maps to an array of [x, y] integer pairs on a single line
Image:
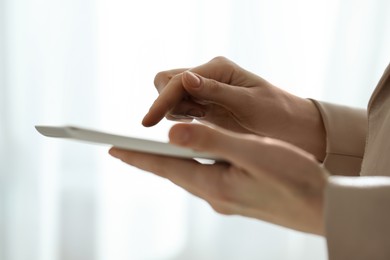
{"points": [[169, 96], [162, 78], [172, 91]]}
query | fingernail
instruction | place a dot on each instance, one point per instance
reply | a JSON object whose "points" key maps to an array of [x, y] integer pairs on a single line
{"points": [[176, 116], [192, 79], [195, 113], [114, 153], [180, 136]]}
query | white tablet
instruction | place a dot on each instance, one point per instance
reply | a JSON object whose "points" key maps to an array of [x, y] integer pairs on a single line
{"points": [[124, 142]]}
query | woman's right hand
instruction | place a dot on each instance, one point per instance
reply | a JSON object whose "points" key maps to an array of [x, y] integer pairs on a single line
{"points": [[224, 94]]}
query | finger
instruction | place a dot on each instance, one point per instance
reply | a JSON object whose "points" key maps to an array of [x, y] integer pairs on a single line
{"points": [[197, 178], [169, 96], [213, 114], [178, 118], [202, 90], [188, 109], [173, 92], [162, 78], [211, 91], [239, 149]]}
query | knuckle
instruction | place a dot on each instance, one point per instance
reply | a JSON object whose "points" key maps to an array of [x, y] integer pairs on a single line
{"points": [[223, 62], [161, 77], [176, 80], [221, 209], [176, 77], [213, 86], [224, 196], [220, 59], [222, 193], [228, 67]]}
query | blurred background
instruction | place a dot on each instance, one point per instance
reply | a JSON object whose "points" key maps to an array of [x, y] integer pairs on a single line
{"points": [[92, 63]]}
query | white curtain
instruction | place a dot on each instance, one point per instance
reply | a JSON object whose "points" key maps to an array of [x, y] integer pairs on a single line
{"points": [[92, 63]]}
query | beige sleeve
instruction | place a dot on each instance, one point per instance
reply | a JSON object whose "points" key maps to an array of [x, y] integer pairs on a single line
{"points": [[346, 130], [357, 215]]}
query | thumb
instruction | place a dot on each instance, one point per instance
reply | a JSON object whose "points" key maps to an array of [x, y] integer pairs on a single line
{"points": [[225, 144], [212, 91]]}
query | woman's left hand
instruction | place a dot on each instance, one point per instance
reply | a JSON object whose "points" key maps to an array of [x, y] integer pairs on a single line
{"points": [[264, 178]]}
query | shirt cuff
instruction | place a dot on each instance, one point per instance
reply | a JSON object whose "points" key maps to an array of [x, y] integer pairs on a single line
{"points": [[357, 218], [346, 130]]}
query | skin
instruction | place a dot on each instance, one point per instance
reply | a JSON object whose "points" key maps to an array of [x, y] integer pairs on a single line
{"points": [[272, 143], [235, 99]]}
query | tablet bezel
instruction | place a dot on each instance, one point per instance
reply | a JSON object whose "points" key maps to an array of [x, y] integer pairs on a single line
{"points": [[120, 141]]}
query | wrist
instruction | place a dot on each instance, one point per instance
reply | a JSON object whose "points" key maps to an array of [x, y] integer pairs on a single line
{"points": [[307, 129]]}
